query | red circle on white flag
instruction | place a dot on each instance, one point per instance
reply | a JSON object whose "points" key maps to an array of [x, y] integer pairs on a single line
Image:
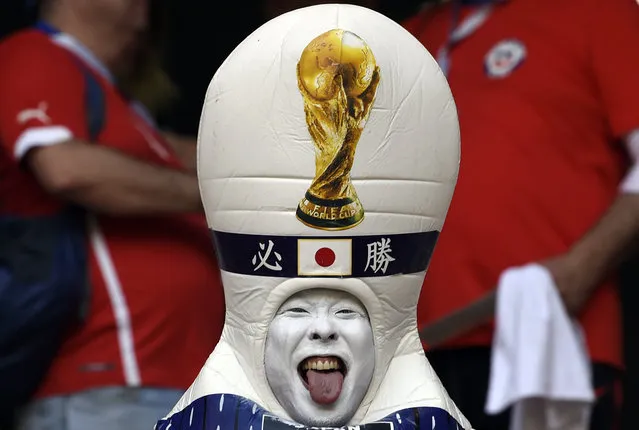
{"points": [[325, 257]]}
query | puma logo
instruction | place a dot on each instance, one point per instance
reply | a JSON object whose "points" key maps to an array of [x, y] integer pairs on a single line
{"points": [[39, 114]]}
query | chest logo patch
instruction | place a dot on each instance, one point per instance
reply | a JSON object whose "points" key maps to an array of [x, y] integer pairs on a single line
{"points": [[504, 58]]}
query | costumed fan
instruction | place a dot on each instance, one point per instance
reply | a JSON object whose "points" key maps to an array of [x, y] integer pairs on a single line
{"points": [[328, 155]]}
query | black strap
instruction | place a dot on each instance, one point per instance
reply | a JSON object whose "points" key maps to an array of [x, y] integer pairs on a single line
{"points": [[95, 111], [94, 103]]}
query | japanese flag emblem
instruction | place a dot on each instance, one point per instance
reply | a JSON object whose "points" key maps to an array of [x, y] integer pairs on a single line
{"points": [[324, 257]]}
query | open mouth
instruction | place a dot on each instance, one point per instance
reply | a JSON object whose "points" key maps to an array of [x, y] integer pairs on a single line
{"points": [[323, 377]]}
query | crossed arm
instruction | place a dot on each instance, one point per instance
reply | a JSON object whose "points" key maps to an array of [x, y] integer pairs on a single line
{"points": [[578, 272], [108, 181], [608, 243]]}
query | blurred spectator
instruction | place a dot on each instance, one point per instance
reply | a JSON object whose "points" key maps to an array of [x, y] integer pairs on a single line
{"points": [[156, 303], [548, 100]]}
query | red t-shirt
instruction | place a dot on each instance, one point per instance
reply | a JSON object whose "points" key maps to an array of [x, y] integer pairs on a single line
{"points": [[544, 90], [157, 305]]}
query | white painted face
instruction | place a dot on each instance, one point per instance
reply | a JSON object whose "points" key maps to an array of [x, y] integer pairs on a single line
{"points": [[320, 357]]}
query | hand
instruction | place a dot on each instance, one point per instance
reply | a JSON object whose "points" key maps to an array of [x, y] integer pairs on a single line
{"points": [[331, 121], [362, 105], [326, 119], [572, 280]]}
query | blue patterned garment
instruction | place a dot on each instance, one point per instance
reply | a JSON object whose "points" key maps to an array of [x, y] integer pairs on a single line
{"points": [[230, 412]]}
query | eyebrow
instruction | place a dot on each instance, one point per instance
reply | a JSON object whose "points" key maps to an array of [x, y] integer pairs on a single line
{"points": [[350, 304], [300, 301], [295, 303]]}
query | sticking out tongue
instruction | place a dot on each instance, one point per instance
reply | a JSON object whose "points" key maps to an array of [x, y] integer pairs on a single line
{"points": [[325, 387]]}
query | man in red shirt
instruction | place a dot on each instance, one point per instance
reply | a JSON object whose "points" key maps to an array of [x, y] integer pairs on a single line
{"points": [[547, 94], [156, 300]]}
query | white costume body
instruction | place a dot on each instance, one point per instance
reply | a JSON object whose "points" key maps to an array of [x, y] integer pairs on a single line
{"points": [[256, 160]]}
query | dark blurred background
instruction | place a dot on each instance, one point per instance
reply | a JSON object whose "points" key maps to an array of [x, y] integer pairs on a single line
{"points": [[200, 34]]}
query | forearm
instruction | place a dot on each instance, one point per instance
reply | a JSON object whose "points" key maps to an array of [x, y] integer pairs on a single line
{"points": [[108, 181], [185, 148], [617, 233], [609, 242]]}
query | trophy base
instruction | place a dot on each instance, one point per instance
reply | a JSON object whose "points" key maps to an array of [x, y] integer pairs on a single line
{"points": [[324, 214]]}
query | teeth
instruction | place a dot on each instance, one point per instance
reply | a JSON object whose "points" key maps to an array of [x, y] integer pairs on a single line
{"points": [[321, 364]]}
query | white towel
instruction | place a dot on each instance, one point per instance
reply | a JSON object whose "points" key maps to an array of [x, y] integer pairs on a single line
{"points": [[539, 363]]}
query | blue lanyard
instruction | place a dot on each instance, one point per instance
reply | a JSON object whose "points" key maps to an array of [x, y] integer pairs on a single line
{"points": [[461, 30], [76, 48], [85, 56], [47, 28]]}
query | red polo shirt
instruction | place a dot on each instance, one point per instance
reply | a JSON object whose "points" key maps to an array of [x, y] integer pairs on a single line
{"points": [[157, 305], [544, 90]]}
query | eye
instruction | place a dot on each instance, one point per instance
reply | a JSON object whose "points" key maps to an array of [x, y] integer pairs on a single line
{"points": [[346, 312], [297, 310]]}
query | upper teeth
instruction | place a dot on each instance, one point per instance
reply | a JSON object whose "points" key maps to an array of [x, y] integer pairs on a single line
{"points": [[321, 364]]}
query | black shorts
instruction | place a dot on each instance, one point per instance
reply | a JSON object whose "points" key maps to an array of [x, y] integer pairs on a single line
{"points": [[464, 373]]}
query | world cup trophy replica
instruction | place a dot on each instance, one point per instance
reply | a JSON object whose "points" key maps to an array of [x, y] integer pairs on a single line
{"points": [[338, 77]]}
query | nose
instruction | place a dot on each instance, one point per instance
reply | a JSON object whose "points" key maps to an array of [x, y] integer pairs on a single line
{"points": [[323, 330]]}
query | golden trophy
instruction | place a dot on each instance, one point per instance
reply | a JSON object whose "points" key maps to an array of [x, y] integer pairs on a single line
{"points": [[338, 77]]}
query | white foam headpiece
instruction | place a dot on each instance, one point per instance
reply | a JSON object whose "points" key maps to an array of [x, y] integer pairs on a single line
{"points": [[328, 154]]}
